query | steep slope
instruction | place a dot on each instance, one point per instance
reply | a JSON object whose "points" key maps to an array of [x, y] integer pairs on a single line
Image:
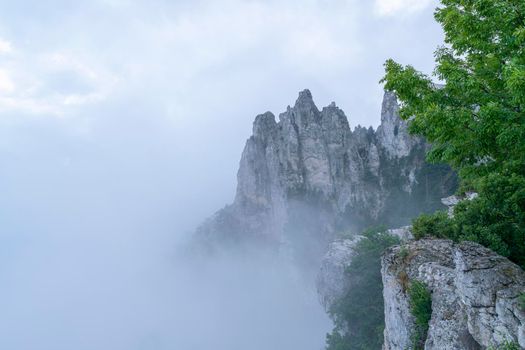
{"points": [[308, 175]]}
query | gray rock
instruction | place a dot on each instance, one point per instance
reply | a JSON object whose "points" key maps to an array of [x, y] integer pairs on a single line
{"points": [[452, 201], [304, 176], [393, 131], [403, 233], [489, 286], [474, 295], [331, 281]]}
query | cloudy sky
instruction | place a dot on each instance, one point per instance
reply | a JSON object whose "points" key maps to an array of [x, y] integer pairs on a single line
{"points": [[122, 123], [183, 80], [59, 57]]}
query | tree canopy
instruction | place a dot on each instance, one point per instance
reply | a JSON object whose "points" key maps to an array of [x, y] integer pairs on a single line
{"points": [[472, 110]]}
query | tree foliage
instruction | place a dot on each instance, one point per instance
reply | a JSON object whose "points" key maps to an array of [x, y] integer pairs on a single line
{"points": [[475, 120], [434, 225]]}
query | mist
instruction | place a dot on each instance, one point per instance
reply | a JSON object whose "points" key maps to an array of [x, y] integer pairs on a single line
{"points": [[93, 254], [121, 128]]}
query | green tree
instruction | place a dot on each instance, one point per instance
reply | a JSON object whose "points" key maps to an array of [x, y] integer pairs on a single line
{"points": [[475, 119]]}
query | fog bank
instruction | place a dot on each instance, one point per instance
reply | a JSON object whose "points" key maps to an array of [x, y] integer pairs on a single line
{"points": [[92, 230]]}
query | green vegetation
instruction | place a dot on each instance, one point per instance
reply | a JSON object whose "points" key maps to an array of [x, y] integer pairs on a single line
{"points": [[433, 225], [508, 345], [421, 308], [359, 315], [403, 252], [475, 121]]}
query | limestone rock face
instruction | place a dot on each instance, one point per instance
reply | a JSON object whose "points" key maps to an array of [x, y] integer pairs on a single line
{"points": [[474, 291], [308, 175], [392, 132]]}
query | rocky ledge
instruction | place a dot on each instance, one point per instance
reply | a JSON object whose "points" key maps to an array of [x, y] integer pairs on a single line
{"points": [[475, 295]]}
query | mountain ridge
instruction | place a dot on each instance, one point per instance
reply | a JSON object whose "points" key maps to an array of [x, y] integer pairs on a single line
{"points": [[307, 175]]}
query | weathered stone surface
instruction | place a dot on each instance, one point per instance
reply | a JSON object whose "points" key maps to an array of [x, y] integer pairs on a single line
{"points": [[393, 133], [489, 286], [403, 233], [332, 283], [474, 295]]}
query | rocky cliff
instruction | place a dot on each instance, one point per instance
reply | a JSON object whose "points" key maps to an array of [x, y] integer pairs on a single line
{"points": [[475, 295], [307, 175]]}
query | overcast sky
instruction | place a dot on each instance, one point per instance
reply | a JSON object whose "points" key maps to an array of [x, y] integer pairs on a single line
{"points": [[122, 122]]}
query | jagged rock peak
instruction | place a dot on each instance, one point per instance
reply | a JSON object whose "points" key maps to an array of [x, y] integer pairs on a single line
{"points": [[311, 164], [389, 108], [264, 124], [393, 132], [304, 96], [305, 102]]}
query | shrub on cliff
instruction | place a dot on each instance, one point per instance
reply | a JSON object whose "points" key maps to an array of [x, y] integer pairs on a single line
{"points": [[432, 225], [505, 346], [495, 219], [421, 308]]}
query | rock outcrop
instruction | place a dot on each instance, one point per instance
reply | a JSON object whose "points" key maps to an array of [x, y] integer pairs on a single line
{"points": [[307, 175], [332, 282], [475, 295]]}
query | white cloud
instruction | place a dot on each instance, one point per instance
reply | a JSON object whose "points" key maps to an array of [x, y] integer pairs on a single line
{"points": [[385, 8], [6, 83], [5, 47], [51, 83], [190, 48], [300, 33], [180, 53], [228, 46]]}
